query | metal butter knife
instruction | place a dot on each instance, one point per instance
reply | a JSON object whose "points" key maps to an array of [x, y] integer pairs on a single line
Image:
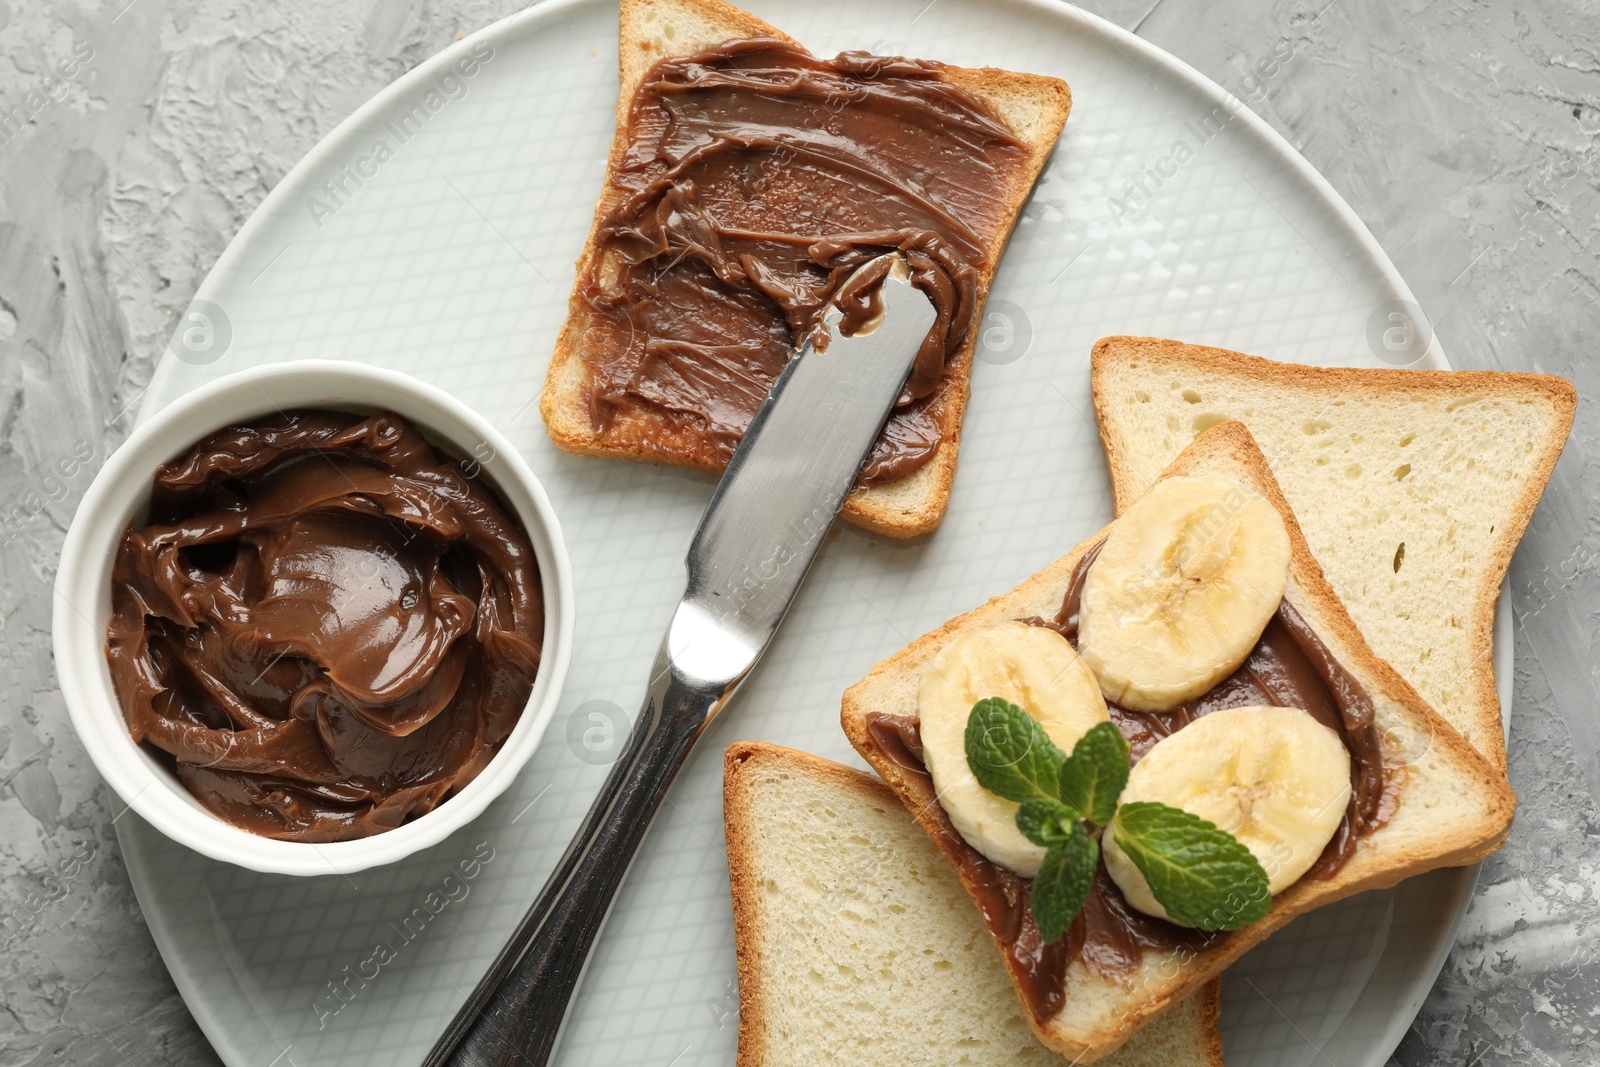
{"points": [[763, 528]]}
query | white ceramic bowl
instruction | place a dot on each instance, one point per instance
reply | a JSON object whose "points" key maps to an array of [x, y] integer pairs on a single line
{"points": [[120, 494]]}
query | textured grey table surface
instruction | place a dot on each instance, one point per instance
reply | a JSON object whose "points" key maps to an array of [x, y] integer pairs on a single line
{"points": [[1466, 133]]}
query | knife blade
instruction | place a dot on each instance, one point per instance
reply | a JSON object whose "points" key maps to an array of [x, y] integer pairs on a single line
{"points": [[765, 524]]}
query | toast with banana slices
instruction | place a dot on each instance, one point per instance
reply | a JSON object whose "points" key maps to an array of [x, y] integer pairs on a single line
{"points": [[1442, 803]]}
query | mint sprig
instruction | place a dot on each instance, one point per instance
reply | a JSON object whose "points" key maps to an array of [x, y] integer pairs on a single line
{"points": [[1092, 778], [1048, 822], [1197, 871], [1063, 881], [1010, 755]]}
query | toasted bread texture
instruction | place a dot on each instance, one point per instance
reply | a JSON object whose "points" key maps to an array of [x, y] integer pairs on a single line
{"points": [[1450, 806], [858, 946], [1413, 486], [1034, 106]]}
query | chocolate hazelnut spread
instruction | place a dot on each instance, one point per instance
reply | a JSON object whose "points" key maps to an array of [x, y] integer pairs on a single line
{"points": [[1289, 667], [325, 625], [755, 179]]}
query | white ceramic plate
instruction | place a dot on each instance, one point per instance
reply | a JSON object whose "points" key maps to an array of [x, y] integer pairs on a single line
{"points": [[445, 247]]}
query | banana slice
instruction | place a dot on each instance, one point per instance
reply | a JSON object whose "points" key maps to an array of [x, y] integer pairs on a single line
{"points": [[1275, 778], [1178, 597], [1034, 668]]}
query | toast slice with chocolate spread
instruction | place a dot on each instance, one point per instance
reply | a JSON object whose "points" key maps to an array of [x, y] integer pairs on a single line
{"points": [[858, 945], [900, 503], [1444, 803], [1414, 486]]}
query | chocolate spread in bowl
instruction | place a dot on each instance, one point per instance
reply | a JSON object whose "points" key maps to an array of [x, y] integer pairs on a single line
{"points": [[324, 624], [1289, 667], [755, 179]]}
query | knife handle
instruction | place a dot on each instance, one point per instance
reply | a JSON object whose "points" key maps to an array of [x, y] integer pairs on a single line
{"points": [[516, 1012]]}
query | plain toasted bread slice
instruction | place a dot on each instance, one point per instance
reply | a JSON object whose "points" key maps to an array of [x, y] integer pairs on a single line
{"points": [[1034, 106], [1413, 486], [1451, 808], [858, 946]]}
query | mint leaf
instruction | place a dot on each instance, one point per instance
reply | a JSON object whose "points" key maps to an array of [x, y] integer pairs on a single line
{"points": [[1048, 822], [1009, 753], [1198, 872], [1093, 776], [1063, 881]]}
